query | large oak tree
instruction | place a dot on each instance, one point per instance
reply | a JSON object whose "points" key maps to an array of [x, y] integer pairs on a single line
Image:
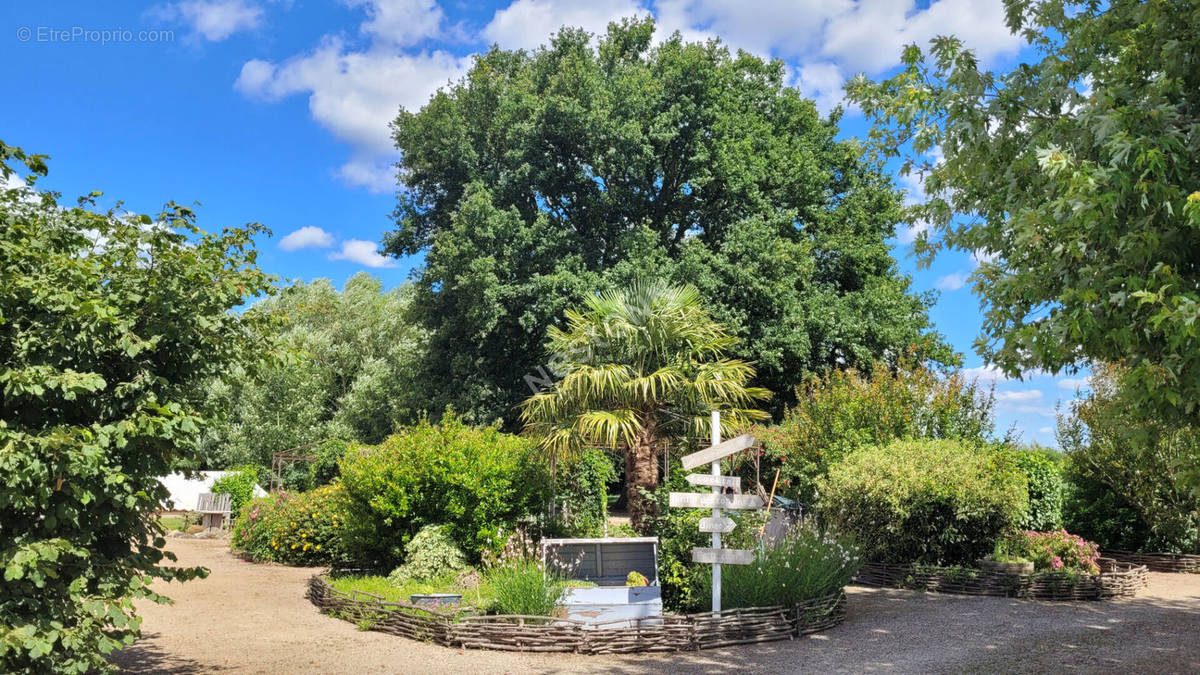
{"points": [[543, 177]]}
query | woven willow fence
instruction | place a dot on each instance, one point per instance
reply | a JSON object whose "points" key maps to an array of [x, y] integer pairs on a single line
{"points": [[1177, 563], [1116, 580], [668, 633]]}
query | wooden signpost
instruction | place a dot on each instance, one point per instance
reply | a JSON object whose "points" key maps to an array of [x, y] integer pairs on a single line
{"points": [[726, 494]]}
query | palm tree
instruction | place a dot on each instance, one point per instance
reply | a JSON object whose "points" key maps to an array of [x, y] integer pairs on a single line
{"points": [[637, 367]]}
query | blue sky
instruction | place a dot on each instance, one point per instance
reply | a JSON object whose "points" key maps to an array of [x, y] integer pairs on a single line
{"points": [[276, 110]]}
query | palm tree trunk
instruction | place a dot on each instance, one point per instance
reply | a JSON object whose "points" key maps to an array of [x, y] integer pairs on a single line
{"points": [[641, 469]]}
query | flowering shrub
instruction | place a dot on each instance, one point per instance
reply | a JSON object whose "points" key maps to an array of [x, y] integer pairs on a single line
{"points": [[1056, 551], [805, 564], [932, 502], [297, 529], [520, 580]]}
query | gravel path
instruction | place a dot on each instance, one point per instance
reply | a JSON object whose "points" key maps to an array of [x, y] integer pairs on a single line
{"points": [[248, 618]]}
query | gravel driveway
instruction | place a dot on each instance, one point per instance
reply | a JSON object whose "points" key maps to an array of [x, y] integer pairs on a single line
{"points": [[248, 618]]}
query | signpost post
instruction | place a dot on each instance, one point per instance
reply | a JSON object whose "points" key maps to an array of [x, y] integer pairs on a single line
{"points": [[725, 495]]}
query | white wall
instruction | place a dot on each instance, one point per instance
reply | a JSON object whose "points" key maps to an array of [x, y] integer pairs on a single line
{"points": [[186, 493]]}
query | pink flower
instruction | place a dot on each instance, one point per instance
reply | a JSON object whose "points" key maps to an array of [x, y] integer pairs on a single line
{"points": [[1056, 563]]}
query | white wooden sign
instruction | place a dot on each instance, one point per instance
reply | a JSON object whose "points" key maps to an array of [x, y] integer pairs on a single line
{"points": [[717, 451], [708, 500], [716, 500], [723, 556], [719, 524], [715, 481]]}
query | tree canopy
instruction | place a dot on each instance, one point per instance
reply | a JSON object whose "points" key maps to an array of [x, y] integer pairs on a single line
{"points": [[109, 323], [1074, 177], [543, 177], [348, 371]]}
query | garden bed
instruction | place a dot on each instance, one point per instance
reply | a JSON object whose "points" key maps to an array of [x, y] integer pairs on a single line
{"points": [[683, 632], [1175, 563], [1116, 580]]}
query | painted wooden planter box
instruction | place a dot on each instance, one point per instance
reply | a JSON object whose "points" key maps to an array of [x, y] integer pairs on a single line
{"points": [[605, 561], [612, 604]]}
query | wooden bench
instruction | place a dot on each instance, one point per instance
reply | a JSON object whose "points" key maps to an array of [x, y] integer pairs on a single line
{"points": [[215, 509]]}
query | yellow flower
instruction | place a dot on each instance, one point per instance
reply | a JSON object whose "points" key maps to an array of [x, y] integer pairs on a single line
{"points": [[318, 547], [304, 536], [293, 546]]}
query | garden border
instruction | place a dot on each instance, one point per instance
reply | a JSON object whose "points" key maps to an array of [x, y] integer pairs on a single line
{"points": [[1116, 580], [1172, 563], [668, 633]]}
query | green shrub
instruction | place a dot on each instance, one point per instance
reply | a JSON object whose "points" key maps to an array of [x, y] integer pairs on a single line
{"points": [[683, 583], [430, 554], [1042, 469], [239, 483], [298, 529], [473, 481], [1099, 514], [934, 502], [804, 565], [845, 410], [581, 493], [324, 469]]}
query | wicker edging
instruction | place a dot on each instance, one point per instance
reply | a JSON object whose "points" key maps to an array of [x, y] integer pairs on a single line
{"points": [[1116, 580], [669, 633], [1176, 563]]}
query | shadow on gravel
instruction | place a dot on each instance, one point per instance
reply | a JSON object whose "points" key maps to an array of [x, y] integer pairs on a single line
{"points": [[145, 657]]}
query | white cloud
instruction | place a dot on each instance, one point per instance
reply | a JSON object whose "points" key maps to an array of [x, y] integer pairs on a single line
{"points": [[869, 35], [1026, 409], [909, 234], [1045, 430], [526, 24], [356, 84], [355, 94], [1072, 384], [214, 20], [1013, 396], [953, 282], [362, 252], [822, 82], [306, 237], [763, 27], [400, 22], [862, 35], [375, 174], [986, 374]]}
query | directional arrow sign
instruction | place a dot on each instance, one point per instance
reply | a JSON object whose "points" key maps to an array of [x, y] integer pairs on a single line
{"points": [[697, 500], [717, 525], [717, 452], [715, 481], [723, 556]]}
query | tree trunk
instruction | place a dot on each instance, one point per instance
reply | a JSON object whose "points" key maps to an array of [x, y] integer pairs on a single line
{"points": [[641, 473]]}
